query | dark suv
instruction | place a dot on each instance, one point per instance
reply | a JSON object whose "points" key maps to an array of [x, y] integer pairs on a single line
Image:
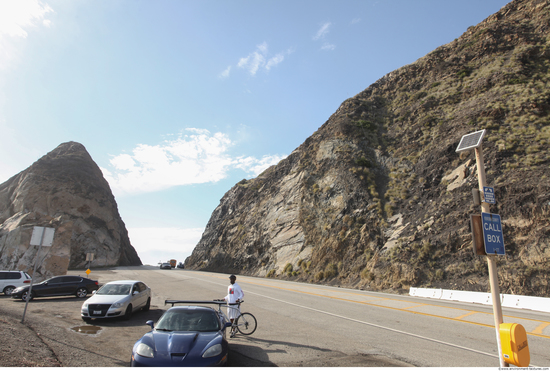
{"points": [[58, 286], [9, 280]]}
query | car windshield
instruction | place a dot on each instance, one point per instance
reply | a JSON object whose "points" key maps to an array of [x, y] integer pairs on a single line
{"points": [[189, 320], [115, 289]]}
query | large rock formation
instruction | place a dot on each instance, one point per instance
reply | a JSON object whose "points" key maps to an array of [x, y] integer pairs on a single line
{"points": [[378, 198], [64, 190]]}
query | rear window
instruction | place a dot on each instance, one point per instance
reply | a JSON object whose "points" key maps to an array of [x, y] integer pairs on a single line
{"points": [[10, 275]]}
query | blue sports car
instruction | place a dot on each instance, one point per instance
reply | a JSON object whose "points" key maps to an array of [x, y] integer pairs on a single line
{"points": [[185, 336]]}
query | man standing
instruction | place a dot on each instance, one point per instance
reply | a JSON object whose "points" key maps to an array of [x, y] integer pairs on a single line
{"points": [[234, 295]]}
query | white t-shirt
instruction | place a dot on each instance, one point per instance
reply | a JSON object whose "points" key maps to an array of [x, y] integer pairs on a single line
{"points": [[234, 292]]}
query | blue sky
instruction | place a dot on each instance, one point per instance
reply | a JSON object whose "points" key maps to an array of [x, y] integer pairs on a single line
{"points": [[178, 100]]}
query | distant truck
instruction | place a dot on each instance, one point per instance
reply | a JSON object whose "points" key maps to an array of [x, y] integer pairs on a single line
{"points": [[173, 263]]}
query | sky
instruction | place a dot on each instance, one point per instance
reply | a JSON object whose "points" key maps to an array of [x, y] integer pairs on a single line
{"points": [[178, 100]]}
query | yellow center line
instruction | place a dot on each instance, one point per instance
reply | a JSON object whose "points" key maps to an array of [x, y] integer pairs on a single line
{"points": [[458, 319], [414, 306], [541, 327], [467, 314]]}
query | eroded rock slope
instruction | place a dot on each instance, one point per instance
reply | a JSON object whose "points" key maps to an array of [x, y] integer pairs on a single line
{"points": [[64, 190]]}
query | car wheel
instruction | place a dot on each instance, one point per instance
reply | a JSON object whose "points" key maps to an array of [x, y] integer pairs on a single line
{"points": [[81, 292], [8, 290], [128, 312], [24, 296], [148, 305]]}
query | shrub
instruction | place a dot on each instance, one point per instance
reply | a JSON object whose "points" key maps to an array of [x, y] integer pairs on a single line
{"points": [[362, 161], [367, 275], [331, 270]]}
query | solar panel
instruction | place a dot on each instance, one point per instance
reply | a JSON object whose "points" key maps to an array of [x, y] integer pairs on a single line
{"points": [[469, 141]]}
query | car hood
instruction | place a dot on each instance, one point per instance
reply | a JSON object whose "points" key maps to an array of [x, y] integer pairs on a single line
{"points": [[106, 299], [180, 342]]}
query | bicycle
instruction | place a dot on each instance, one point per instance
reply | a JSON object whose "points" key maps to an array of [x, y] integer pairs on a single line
{"points": [[245, 322]]}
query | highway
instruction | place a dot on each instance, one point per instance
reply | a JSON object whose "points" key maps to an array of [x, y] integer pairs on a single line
{"points": [[302, 324]]}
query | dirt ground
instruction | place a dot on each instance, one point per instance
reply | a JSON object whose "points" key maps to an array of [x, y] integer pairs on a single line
{"points": [[21, 346]]}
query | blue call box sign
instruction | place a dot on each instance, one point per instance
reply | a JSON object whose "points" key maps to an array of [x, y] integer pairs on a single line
{"points": [[489, 195], [492, 234]]}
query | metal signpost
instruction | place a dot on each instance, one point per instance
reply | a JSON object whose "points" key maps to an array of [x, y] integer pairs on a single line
{"points": [[468, 142], [89, 259], [41, 236]]}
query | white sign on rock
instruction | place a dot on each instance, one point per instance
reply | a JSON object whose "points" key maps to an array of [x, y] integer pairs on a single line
{"points": [[38, 240]]}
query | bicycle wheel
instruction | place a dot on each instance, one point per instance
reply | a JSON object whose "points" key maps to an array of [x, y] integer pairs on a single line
{"points": [[246, 323]]}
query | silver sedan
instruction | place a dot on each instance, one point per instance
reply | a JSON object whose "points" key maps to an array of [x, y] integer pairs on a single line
{"points": [[117, 299]]}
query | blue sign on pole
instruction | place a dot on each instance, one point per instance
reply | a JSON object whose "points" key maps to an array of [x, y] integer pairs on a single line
{"points": [[492, 234], [489, 195]]}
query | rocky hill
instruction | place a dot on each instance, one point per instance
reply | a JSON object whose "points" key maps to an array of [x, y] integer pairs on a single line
{"points": [[65, 190], [377, 197]]}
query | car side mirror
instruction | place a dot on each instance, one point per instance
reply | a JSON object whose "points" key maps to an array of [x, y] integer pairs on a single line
{"points": [[151, 323], [135, 293], [228, 324], [93, 292]]}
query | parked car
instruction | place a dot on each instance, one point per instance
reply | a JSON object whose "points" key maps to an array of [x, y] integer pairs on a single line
{"points": [[117, 299], [58, 286], [165, 266], [180, 265], [191, 336], [9, 280]]}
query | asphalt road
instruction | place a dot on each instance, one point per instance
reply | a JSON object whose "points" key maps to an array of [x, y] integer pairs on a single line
{"points": [[298, 325]]}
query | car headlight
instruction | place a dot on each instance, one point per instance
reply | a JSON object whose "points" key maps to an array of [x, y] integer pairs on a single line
{"points": [[85, 306], [213, 351], [117, 305], [145, 350]]}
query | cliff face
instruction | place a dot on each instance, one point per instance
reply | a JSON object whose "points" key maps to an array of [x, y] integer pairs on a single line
{"points": [[378, 198], [64, 190]]}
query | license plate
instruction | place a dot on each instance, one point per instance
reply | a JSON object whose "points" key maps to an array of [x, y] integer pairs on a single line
{"points": [[97, 312]]}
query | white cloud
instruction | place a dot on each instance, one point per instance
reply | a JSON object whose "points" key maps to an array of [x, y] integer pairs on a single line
{"points": [[355, 20], [259, 59], [225, 73], [16, 17], [327, 46], [323, 31], [254, 167], [274, 61], [161, 244], [193, 158]]}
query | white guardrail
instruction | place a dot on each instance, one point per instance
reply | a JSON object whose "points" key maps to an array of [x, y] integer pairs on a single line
{"points": [[506, 300]]}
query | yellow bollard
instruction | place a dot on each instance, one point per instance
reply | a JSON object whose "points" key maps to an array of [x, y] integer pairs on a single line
{"points": [[515, 349]]}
